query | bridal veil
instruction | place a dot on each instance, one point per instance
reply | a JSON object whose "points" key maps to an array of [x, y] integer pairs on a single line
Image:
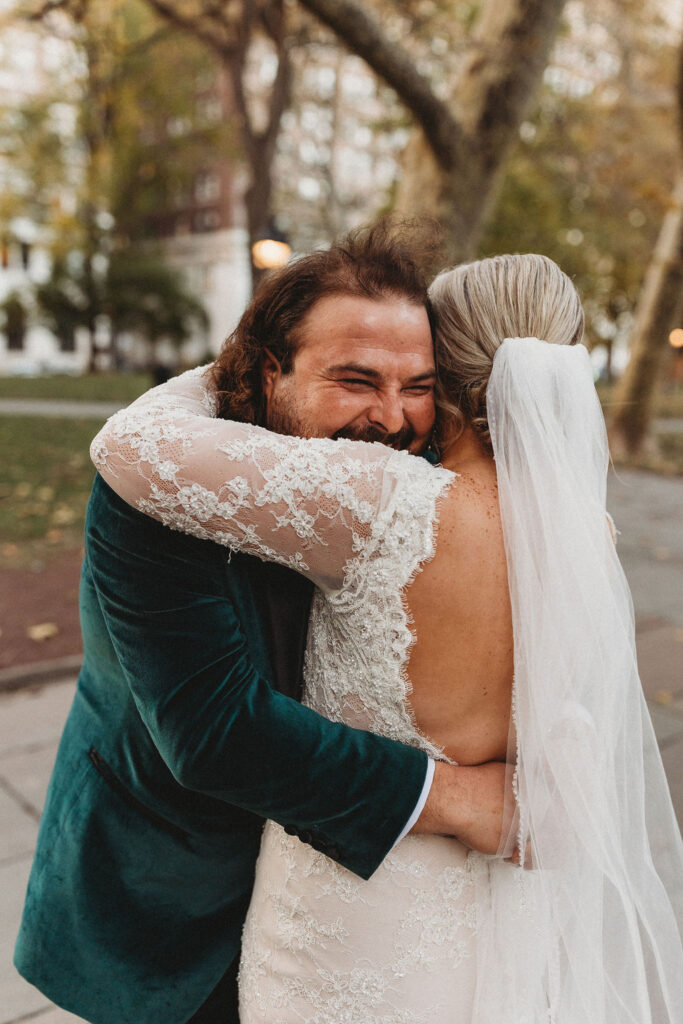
{"points": [[589, 933]]}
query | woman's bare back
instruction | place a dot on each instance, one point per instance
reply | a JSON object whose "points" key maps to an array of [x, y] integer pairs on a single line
{"points": [[461, 666]]}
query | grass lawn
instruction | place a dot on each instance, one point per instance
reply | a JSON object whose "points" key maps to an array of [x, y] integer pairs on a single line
{"points": [[100, 387], [45, 480]]}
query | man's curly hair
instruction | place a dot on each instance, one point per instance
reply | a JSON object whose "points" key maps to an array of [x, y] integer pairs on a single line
{"points": [[374, 263]]}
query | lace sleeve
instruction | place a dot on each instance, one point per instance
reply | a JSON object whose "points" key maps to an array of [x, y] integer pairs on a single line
{"points": [[312, 505]]}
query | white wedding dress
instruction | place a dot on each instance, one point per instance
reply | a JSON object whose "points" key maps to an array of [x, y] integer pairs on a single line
{"points": [[439, 935]]}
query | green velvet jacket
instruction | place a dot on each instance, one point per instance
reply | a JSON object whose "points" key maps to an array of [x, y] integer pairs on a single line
{"points": [[176, 748]]}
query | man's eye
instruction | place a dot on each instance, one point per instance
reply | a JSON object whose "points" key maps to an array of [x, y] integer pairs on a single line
{"points": [[420, 389], [357, 381]]}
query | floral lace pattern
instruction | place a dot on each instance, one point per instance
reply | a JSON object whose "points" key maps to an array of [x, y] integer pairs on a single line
{"points": [[320, 945]]}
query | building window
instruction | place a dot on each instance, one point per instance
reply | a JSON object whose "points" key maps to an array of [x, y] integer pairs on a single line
{"points": [[207, 187], [67, 339], [15, 323], [206, 220], [15, 340]]}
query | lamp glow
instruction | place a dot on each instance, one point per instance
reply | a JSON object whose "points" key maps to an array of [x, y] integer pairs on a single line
{"points": [[269, 254], [676, 338]]}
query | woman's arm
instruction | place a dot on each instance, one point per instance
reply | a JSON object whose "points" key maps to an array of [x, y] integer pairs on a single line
{"points": [[310, 504]]}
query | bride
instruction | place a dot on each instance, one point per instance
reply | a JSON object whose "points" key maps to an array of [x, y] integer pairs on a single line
{"points": [[411, 636]]}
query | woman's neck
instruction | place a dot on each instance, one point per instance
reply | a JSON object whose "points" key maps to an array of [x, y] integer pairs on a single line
{"points": [[465, 451]]}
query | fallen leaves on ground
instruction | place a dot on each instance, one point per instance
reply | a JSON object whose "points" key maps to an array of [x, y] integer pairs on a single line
{"points": [[42, 631]]}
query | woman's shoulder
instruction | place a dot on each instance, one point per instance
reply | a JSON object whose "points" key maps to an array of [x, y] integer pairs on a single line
{"points": [[469, 515], [402, 534]]}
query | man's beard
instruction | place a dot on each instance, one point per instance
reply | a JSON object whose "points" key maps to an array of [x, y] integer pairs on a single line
{"points": [[403, 439], [283, 418]]}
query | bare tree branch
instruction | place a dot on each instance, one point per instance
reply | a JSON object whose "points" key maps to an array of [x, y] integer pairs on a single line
{"points": [[452, 169], [209, 33], [41, 11], [273, 20], [229, 31], [512, 43], [364, 36]]}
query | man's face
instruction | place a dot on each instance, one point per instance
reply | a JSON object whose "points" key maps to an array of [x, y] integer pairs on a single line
{"points": [[364, 369]]}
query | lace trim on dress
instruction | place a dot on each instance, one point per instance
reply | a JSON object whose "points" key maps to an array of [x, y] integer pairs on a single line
{"points": [[405, 537]]}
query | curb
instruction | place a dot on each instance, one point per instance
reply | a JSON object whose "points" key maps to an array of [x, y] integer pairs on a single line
{"points": [[39, 672]]}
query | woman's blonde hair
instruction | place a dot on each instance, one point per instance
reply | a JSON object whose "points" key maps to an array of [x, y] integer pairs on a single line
{"points": [[477, 306]]}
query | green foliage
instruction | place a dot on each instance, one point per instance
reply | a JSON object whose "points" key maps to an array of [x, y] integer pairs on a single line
{"points": [[101, 387], [589, 180], [31, 142], [63, 300], [104, 159], [587, 183], [167, 123], [145, 297], [138, 292], [122, 140]]}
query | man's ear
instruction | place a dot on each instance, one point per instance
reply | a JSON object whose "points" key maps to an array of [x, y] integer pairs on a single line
{"points": [[271, 372]]}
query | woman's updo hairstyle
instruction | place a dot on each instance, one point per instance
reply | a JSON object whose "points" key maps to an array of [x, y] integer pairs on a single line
{"points": [[477, 306]]}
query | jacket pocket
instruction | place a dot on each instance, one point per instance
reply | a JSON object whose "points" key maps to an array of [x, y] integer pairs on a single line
{"points": [[114, 782]]}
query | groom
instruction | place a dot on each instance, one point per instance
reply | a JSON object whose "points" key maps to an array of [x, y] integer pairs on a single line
{"points": [[186, 731]]}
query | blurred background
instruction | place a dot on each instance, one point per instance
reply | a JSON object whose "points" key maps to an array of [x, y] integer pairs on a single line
{"points": [[158, 156]]}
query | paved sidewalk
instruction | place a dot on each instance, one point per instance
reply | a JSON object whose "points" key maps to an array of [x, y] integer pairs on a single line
{"points": [[669, 426], [58, 407], [31, 722], [648, 511]]}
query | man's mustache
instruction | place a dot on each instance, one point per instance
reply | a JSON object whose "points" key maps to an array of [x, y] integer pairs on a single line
{"points": [[400, 440]]}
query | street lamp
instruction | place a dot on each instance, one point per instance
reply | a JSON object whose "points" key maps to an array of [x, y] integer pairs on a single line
{"points": [[271, 249], [676, 338]]}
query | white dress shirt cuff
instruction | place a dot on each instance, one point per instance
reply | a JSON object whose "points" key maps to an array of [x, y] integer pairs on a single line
{"points": [[429, 778]]}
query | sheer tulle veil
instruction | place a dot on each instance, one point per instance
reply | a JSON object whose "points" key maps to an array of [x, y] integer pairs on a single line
{"points": [[589, 932]]}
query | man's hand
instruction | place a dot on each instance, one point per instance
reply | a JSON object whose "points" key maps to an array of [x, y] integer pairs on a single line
{"points": [[468, 802]]}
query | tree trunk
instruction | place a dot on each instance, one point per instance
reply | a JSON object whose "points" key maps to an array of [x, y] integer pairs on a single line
{"points": [[258, 200], [659, 302], [96, 120], [454, 163], [260, 145], [657, 306], [229, 31]]}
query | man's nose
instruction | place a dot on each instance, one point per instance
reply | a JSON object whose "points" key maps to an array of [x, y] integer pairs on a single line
{"points": [[387, 412]]}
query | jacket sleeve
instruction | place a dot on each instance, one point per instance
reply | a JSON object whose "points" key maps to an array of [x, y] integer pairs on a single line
{"points": [[218, 724]]}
